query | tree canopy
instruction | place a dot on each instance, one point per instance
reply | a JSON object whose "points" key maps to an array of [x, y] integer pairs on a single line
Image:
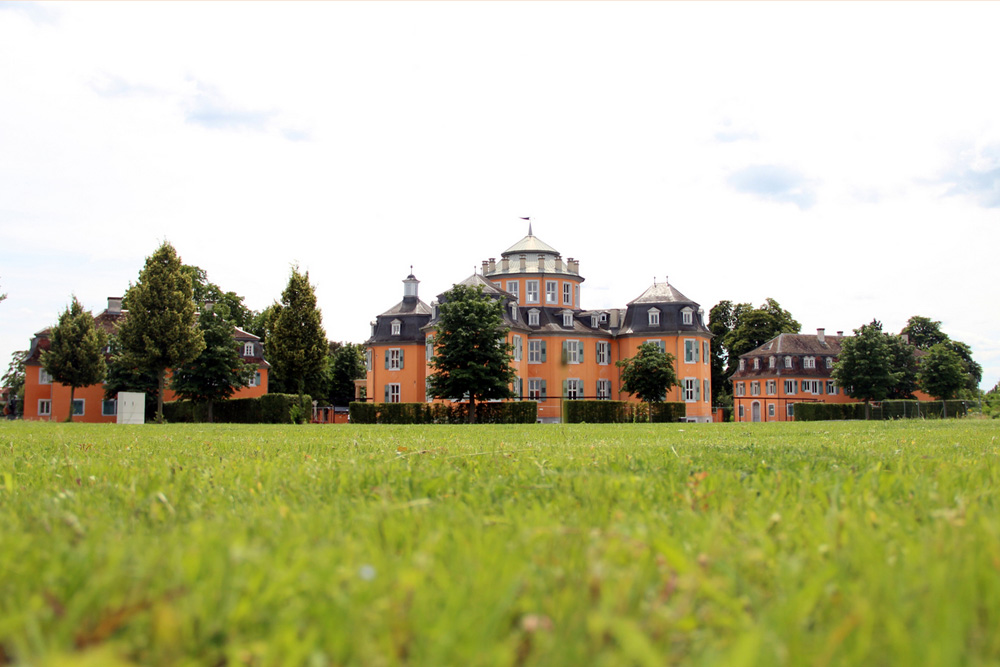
{"points": [[203, 290], [13, 380], [217, 372], [76, 351], [345, 364], [296, 345], [942, 373], [125, 375], [865, 367], [649, 375], [924, 333], [471, 355], [160, 330]]}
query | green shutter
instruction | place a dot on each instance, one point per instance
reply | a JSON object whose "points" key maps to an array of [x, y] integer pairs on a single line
{"points": [[565, 388], [564, 353], [579, 347], [400, 358], [544, 346], [386, 399], [543, 390]]}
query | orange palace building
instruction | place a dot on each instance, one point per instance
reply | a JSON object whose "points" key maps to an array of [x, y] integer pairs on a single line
{"points": [[560, 350], [45, 399]]}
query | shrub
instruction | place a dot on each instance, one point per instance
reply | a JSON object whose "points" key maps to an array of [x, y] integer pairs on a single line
{"points": [[266, 409], [512, 412], [620, 412]]}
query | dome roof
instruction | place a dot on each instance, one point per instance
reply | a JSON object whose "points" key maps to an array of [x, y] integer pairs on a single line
{"points": [[530, 244]]}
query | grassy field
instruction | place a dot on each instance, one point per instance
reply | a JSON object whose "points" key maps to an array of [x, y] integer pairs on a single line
{"points": [[762, 544]]}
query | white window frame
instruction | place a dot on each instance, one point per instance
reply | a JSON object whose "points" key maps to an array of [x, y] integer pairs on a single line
{"points": [[687, 316], [755, 388], [369, 360], [396, 327], [706, 351], [551, 291], [567, 294], [653, 317], [658, 342], [790, 410], [603, 353], [741, 413], [594, 322], [512, 288], [788, 362], [829, 362], [535, 389], [82, 402], [533, 317], [44, 407], [572, 351], [429, 348], [394, 392], [603, 390], [394, 355], [574, 389], [513, 310], [567, 320], [518, 348], [772, 362], [534, 351], [772, 387], [770, 409], [743, 364], [831, 388], [706, 392], [247, 349], [756, 363], [690, 390], [741, 389], [809, 362], [790, 387], [113, 402], [255, 380], [44, 377], [531, 291], [690, 351]]}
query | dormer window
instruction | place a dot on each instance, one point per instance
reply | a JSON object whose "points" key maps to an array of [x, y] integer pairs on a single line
{"points": [[533, 317], [687, 316], [513, 311], [594, 322], [743, 364], [247, 349], [829, 362], [809, 362], [567, 320], [756, 363], [396, 326], [654, 317], [772, 362], [788, 362], [604, 318]]}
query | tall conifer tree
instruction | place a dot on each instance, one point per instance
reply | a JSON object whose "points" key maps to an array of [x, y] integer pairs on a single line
{"points": [[160, 331], [76, 352], [297, 346]]}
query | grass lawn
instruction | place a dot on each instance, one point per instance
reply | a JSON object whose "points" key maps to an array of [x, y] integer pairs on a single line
{"points": [[721, 544]]}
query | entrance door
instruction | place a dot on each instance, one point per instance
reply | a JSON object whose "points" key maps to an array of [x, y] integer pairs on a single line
{"points": [[755, 412]]}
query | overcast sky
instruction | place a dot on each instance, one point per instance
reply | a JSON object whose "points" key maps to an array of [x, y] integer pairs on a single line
{"points": [[843, 159]]}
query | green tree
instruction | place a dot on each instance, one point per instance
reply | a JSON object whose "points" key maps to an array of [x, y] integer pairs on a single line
{"points": [[721, 320], [160, 331], [942, 373], [471, 356], [923, 332], [296, 346], [217, 372], [345, 364], [76, 351], [262, 323], [649, 375], [865, 367], [13, 380], [203, 290], [125, 375], [904, 362]]}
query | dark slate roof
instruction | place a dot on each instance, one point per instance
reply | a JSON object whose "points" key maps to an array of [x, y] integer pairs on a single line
{"points": [[662, 293], [409, 306], [804, 344], [670, 302]]}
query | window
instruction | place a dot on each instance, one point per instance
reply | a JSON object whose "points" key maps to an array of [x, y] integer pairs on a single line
{"points": [[394, 359], [513, 310], [772, 387], [396, 325], [567, 294], [743, 364], [429, 348], [550, 291], [788, 362], [247, 349], [790, 410], [109, 408], [687, 317], [756, 363], [255, 380], [791, 386], [532, 318], [368, 360], [536, 389], [518, 348], [829, 362], [603, 352], [536, 351], [772, 362], [78, 406], [392, 392], [770, 409], [755, 388], [518, 387], [512, 287], [741, 388], [741, 413], [658, 343], [44, 407], [812, 386], [809, 362], [690, 351], [831, 387], [567, 320], [691, 390], [603, 389], [654, 317], [572, 352], [44, 377], [706, 393], [705, 351], [594, 323], [531, 287], [572, 388]]}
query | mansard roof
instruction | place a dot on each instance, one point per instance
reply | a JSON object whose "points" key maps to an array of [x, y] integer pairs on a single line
{"points": [[661, 293], [798, 344], [408, 306]]}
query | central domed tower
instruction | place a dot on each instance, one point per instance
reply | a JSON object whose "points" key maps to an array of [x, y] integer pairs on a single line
{"points": [[536, 275]]}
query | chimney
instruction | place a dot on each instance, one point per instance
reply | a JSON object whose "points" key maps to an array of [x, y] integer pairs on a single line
{"points": [[486, 266], [114, 304], [574, 266], [493, 264], [541, 262], [821, 336], [840, 333], [505, 264], [524, 262]]}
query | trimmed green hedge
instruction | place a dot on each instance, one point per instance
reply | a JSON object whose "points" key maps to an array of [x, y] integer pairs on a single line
{"points": [[266, 409], [620, 412], [887, 410], [514, 412]]}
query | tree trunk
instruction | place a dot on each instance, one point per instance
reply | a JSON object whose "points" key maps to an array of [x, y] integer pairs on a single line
{"points": [[944, 409], [210, 402], [472, 409], [161, 383], [72, 393], [868, 410]]}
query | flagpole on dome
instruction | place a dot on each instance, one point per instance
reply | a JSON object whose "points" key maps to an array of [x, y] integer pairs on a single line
{"points": [[529, 226]]}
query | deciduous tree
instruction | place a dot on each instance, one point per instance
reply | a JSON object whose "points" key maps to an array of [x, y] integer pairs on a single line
{"points": [[942, 373], [13, 380], [76, 351], [345, 364], [160, 331], [865, 367], [649, 375], [219, 370], [471, 356], [296, 346]]}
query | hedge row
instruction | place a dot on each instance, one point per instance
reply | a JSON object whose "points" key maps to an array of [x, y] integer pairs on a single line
{"points": [[886, 410], [620, 412], [514, 412], [266, 409]]}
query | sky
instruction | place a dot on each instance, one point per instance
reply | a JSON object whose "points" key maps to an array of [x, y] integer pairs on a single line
{"points": [[841, 158]]}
